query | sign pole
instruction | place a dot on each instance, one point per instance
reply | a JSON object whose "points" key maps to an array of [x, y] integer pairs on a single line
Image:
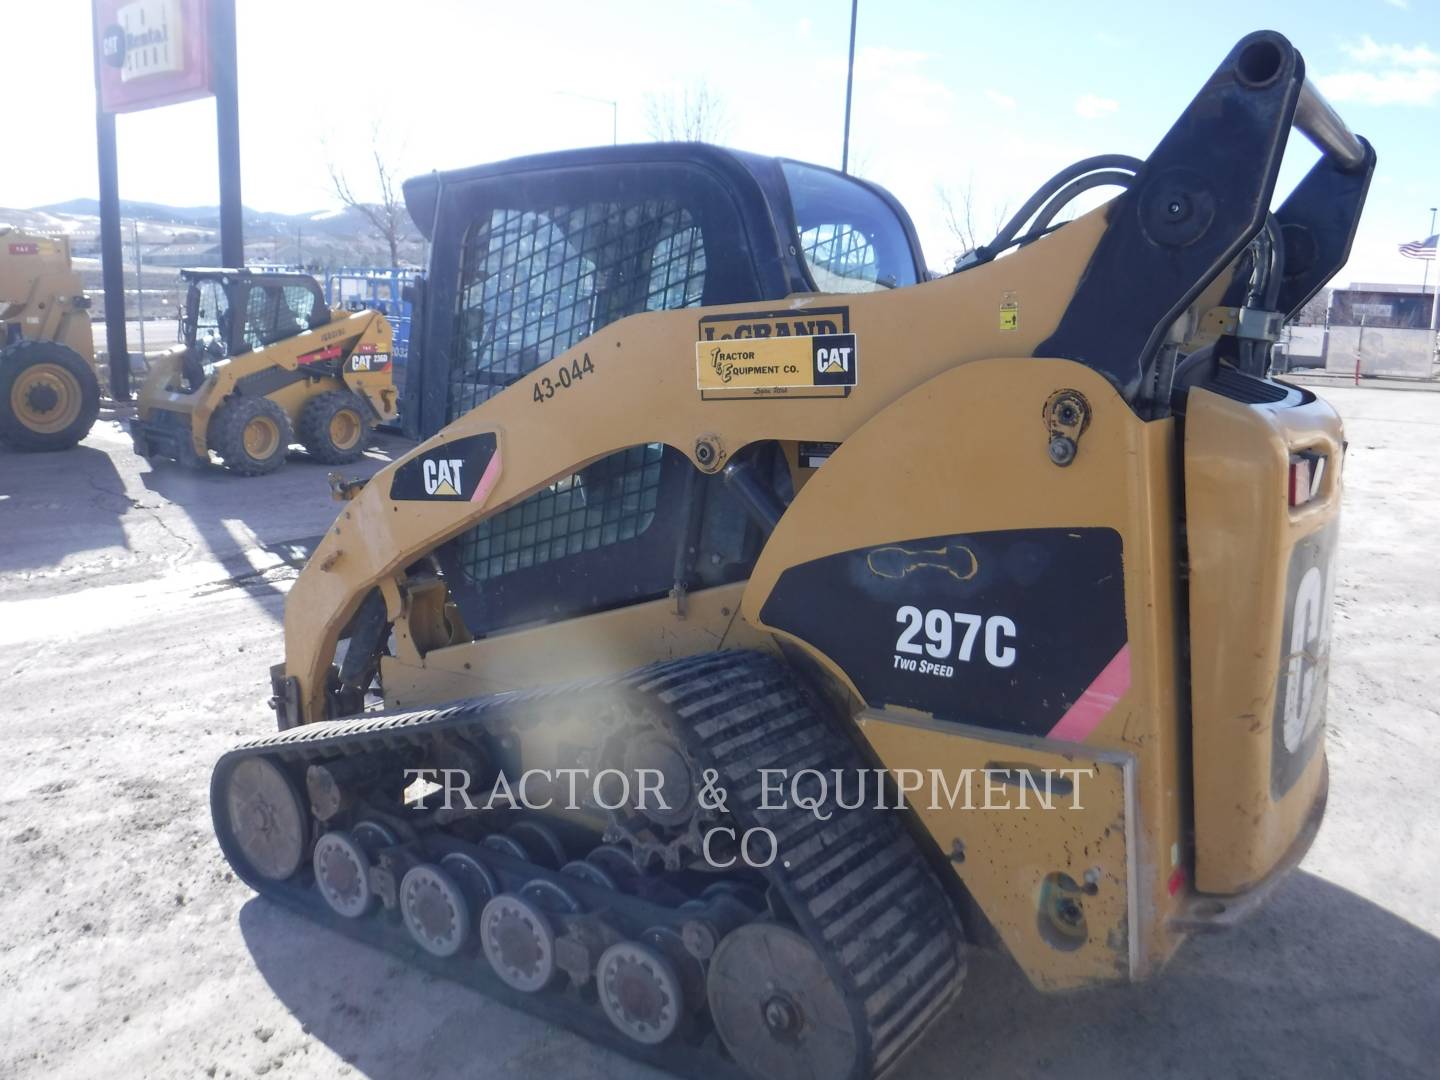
{"points": [[227, 128], [112, 268]]}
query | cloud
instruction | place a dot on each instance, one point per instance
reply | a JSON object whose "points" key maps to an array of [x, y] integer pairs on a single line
{"points": [[1369, 51], [1093, 107], [1003, 101], [1385, 75], [1403, 5]]}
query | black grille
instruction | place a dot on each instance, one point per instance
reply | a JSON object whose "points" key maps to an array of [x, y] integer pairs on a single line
{"points": [[610, 501], [535, 282], [1238, 386]]}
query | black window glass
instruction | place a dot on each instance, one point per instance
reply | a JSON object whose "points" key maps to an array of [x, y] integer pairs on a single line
{"points": [[851, 240]]}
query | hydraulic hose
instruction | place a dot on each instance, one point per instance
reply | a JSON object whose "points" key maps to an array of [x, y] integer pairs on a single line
{"points": [[1114, 164]]}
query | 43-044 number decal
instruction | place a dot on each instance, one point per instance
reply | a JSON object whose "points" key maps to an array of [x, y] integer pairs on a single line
{"points": [[566, 377], [942, 630]]}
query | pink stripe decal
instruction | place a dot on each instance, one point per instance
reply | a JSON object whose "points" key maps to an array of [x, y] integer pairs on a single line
{"points": [[1096, 702], [488, 479]]}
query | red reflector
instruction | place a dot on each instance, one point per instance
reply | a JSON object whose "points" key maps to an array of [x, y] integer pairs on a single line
{"points": [[1177, 879], [1306, 472], [1299, 482]]}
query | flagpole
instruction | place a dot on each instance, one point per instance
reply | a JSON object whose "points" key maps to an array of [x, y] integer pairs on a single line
{"points": [[1425, 277], [1434, 300]]}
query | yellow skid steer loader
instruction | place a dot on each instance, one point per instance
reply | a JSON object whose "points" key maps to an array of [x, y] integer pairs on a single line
{"points": [[737, 648], [263, 362]]}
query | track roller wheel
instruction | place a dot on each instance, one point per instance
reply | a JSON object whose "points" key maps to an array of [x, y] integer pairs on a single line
{"points": [[267, 818], [548, 896], [777, 1009], [252, 435], [475, 878], [519, 943], [506, 845], [333, 427], [373, 837], [342, 874], [435, 910], [617, 865], [639, 991], [587, 871], [540, 842]]}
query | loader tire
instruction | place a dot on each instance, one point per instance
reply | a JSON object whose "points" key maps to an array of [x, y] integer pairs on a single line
{"points": [[49, 396], [333, 427], [251, 434]]}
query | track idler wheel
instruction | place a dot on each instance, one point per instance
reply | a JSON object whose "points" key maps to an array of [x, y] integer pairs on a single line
{"points": [[435, 910], [640, 992], [519, 943], [776, 1008], [268, 819], [342, 874]]}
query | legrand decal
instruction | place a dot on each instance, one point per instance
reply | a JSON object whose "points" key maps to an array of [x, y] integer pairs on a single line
{"points": [[781, 354], [462, 470]]}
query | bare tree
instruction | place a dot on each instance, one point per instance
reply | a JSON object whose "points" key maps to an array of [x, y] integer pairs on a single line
{"points": [[959, 210], [388, 217], [696, 114]]}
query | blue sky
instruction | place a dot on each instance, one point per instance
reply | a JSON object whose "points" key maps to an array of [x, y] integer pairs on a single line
{"points": [[991, 97]]}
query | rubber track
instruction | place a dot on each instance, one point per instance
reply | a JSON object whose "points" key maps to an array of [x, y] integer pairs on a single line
{"points": [[856, 885]]}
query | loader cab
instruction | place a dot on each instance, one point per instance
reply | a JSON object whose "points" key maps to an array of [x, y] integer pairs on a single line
{"points": [[531, 256], [231, 312]]}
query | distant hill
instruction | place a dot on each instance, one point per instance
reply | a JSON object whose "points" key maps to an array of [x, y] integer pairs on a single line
{"points": [[343, 222], [190, 235]]}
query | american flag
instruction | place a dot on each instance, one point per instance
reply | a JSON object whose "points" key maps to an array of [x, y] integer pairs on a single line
{"points": [[1420, 249]]}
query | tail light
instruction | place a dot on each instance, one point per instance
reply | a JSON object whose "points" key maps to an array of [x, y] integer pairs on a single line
{"points": [[1307, 475]]}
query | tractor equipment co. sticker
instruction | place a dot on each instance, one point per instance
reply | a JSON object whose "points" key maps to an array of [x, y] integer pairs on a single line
{"points": [[777, 354], [463, 470], [1018, 630], [1304, 657]]}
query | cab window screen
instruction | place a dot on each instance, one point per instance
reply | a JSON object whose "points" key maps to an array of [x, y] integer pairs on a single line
{"points": [[851, 241], [610, 501], [275, 312], [535, 282]]}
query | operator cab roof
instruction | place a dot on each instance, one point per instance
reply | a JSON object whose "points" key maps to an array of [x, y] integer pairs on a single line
{"points": [[773, 198]]}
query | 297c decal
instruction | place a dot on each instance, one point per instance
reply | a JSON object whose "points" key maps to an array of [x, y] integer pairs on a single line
{"points": [[951, 636], [1004, 629]]}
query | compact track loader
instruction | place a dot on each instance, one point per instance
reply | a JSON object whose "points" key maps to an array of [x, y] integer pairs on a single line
{"points": [[264, 361], [762, 621], [49, 390]]}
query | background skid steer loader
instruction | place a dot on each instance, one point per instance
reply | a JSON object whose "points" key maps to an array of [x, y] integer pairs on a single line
{"points": [[264, 362], [1043, 538], [49, 390]]}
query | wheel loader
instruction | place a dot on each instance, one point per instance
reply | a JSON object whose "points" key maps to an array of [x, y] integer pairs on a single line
{"points": [[49, 389], [764, 625], [264, 362]]}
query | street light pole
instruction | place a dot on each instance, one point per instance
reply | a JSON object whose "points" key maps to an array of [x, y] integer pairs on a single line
{"points": [[849, 87]]}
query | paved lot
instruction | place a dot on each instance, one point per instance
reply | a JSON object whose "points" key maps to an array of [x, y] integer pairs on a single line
{"points": [[139, 612]]}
